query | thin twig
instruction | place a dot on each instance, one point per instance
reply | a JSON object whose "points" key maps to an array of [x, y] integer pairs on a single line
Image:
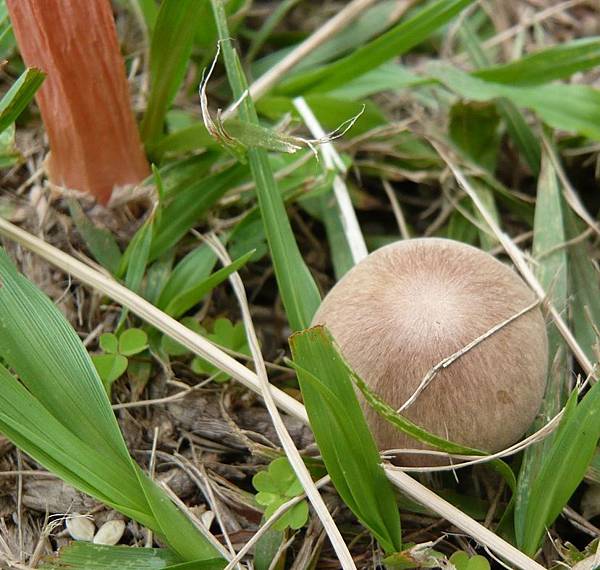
{"points": [[397, 209], [446, 362]]}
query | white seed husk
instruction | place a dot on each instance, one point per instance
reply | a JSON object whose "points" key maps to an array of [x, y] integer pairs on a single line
{"points": [[110, 533], [80, 527]]}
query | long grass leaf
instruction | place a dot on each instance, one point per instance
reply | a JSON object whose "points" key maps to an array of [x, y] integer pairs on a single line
{"points": [[62, 416], [551, 270], [298, 290], [190, 297], [346, 444], [556, 62], [392, 43], [582, 115], [170, 50], [19, 95]]}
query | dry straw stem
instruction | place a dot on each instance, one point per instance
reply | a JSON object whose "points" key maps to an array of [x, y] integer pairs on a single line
{"points": [[333, 162], [518, 258], [202, 347], [289, 447], [352, 11], [397, 209]]}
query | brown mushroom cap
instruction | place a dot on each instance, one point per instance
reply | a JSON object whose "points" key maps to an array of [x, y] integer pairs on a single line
{"points": [[412, 303]]}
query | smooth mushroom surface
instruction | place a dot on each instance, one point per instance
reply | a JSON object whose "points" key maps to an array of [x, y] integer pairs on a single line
{"points": [[410, 304]]}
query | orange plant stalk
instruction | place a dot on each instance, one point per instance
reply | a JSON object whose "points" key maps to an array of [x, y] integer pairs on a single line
{"points": [[94, 141]]}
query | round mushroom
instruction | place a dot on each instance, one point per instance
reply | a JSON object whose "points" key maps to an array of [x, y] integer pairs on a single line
{"points": [[409, 305]]}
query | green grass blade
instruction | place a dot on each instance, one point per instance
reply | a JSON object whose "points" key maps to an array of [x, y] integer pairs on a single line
{"points": [[584, 288], [192, 296], [191, 199], [516, 124], [170, 51], [345, 442], [101, 243], [581, 115], [563, 469], [196, 266], [556, 62], [19, 95], [392, 43], [551, 270], [39, 344], [60, 414], [298, 290], [80, 555]]}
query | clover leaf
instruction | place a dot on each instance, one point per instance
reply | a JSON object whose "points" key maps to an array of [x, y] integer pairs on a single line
{"points": [[277, 485]]}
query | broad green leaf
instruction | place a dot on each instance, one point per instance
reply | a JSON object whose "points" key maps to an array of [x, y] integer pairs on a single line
{"points": [[170, 50], [551, 270], [297, 288], [556, 62], [185, 300], [394, 42], [101, 243], [132, 341], [110, 367], [563, 469], [581, 115], [19, 95], [51, 361], [341, 432]]}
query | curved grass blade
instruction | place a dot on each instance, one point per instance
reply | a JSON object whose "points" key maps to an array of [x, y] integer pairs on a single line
{"points": [[556, 62], [187, 299], [59, 413], [19, 95], [581, 115], [345, 442]]}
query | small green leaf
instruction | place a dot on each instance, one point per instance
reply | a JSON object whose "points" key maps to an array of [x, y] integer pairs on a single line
{"points": [[19, 95], [226, 335], [109, 343], [132, 341], [110, 366]]}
